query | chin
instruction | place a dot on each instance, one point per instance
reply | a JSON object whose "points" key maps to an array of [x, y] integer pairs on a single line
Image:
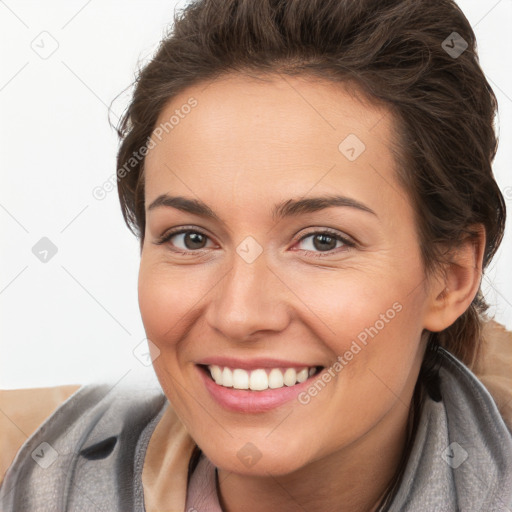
{"points": [[257, 459]]}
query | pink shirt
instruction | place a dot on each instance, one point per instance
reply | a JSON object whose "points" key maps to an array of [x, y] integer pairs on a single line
{"points": [[202, 489]]}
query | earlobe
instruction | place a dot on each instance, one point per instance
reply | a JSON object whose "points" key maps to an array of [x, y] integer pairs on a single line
{"points": [[452, 292]]}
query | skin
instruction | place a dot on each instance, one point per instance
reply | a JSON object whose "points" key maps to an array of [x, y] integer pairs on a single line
{"points": [[247, 145]]}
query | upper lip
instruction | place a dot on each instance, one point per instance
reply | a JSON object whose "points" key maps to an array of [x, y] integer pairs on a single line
{"points": [[253, 364]]}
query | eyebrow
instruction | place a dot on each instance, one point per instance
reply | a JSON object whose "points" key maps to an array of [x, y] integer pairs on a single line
{"points": [[289, 208]]}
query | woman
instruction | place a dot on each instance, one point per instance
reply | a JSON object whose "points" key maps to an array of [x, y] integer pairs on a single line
{"points": [[311, 183]]}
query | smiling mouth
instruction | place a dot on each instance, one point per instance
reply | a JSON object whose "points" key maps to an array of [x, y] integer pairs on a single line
{"points": [[259, 379]]}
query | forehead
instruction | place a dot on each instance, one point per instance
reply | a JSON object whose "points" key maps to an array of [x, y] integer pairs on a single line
{"points": [[251, 133]]}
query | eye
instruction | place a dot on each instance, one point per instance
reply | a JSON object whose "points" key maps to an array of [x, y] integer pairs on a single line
{"points": [[324, 242], [190, 240]]}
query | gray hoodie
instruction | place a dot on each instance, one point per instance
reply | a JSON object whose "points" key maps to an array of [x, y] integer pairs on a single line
{"points": [[88, 455]]}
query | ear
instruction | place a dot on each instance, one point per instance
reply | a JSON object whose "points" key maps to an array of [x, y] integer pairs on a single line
{"points": [[453, 289]]}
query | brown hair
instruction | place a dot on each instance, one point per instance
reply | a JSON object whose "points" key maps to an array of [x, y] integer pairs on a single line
{"points": [[396, 52]]}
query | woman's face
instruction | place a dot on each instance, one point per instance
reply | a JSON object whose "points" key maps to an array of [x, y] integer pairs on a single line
{"points": [[300, 251]]}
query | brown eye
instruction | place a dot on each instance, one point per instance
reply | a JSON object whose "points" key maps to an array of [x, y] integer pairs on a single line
{"points": [[193, 240], [186, 240], [323, 242]]}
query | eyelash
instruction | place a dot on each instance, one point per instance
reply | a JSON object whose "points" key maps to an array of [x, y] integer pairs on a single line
{"points": [[166, 237]]}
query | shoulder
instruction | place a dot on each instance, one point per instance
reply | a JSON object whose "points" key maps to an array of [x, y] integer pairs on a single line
{"points": [[494, 367], [469, 425], [21, 412], [97, 422]]}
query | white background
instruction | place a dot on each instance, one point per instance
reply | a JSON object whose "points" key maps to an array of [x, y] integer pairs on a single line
{"points": [[75, 319]]}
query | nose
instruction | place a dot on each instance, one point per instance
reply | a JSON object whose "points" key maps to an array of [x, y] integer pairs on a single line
{"points": [[249, 300]]}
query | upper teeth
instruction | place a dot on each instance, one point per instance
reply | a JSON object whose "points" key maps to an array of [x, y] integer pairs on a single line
{"points": [[258, 380]]}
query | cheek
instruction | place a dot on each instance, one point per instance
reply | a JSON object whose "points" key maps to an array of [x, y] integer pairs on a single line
{"points": [[166, 300], [350, 304], [372, 325], [157, 304], [377, 347]]}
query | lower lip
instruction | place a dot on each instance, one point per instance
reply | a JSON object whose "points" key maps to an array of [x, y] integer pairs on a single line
{"points": [[243, 400]]}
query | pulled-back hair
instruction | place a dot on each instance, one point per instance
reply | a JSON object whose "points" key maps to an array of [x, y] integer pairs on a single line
{"points": [[397, 52]]}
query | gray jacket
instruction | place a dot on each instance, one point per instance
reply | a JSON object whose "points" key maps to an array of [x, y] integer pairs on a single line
{"points": [[88, 455]]}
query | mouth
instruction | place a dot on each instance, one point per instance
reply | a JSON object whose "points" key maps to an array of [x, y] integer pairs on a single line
{"points": [[255, 385], [260, 379]]}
